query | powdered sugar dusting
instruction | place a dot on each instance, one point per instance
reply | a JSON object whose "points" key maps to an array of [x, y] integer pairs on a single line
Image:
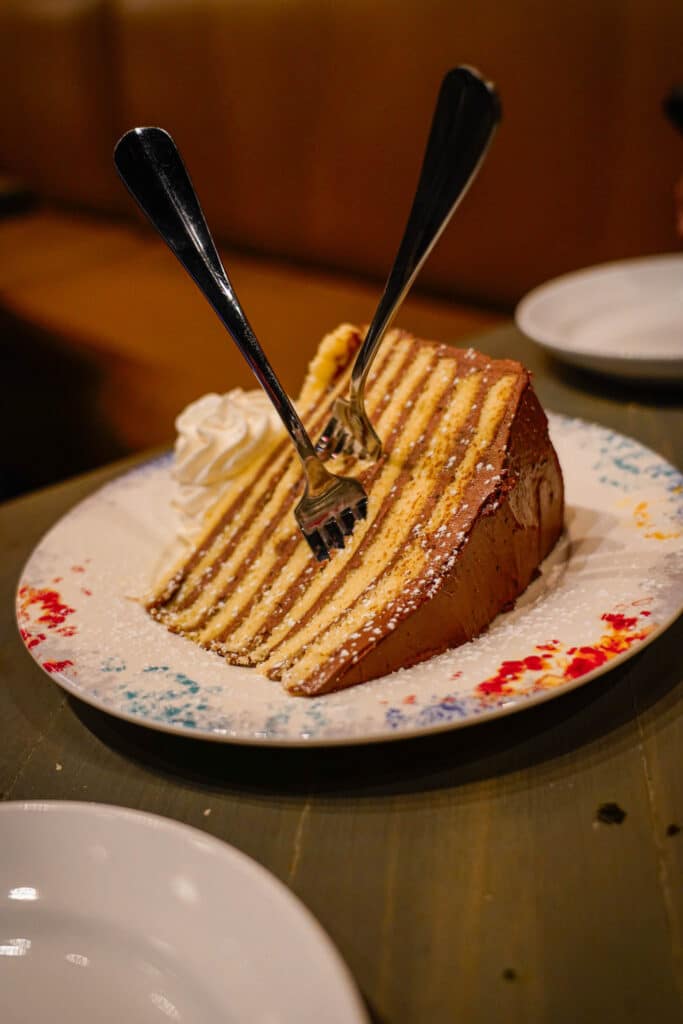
{"points": [[614, 581]]}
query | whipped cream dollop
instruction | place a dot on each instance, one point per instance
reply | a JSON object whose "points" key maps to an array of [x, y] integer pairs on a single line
{"points": [[218, 437]]}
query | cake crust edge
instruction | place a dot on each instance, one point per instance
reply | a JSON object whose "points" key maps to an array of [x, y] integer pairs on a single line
{"points": [[518, 526]]}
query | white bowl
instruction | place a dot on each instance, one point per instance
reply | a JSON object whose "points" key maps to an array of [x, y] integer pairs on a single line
{"points": [[624, 319], [112, 915]]}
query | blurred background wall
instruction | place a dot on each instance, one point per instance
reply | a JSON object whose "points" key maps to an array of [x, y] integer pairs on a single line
{"points": [[303, 124]]}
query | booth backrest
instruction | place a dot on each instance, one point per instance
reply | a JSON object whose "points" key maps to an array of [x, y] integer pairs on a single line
{"points": [[303, 122]]}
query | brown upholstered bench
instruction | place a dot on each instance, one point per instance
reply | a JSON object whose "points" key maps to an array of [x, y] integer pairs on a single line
{"points": [[303, 126], [115, 296]]}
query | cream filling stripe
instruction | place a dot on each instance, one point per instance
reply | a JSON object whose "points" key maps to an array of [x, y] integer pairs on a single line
{"points": [[247, 508], [398, 525], [274, 517], [416, 422], [300, 557], [330, 631]]}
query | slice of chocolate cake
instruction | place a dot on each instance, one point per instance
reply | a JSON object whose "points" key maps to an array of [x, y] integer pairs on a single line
{"points": [[463, 506]]}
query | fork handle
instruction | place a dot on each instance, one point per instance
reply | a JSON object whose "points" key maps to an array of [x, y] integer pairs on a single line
{"points": [[466, 115], [153, 171]]}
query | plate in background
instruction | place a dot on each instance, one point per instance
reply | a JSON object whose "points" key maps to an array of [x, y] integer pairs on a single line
{"points": [[113, 915], [623, 319], [612, 584]]}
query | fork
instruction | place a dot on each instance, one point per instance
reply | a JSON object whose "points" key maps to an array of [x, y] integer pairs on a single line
{"points": [[466, 115], [153, 171]]}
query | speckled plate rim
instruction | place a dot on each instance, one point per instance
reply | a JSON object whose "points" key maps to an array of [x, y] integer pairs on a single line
{"points": [[614, 470]]}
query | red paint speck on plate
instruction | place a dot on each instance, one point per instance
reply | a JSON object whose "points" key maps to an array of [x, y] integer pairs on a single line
{"points": [[510, 672], [618, 622], [57, 666], [555, 666], [53, 610], [52, 613], [31, 639]]}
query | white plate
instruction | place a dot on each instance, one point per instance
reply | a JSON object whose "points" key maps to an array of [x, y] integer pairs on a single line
{"points": [[614, 582], [113, 916], [622, 318]]}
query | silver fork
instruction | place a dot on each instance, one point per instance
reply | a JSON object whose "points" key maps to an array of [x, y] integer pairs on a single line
{"points": [[154, 173], [467, 112]]}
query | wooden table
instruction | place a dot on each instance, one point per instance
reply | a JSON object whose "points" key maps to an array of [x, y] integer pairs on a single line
{"points": [[463, 877]]}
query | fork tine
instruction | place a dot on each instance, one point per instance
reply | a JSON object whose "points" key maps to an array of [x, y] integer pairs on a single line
{"points": [[329, 510], [339, 444], [317, 545], [333, 534], [348, 521]]}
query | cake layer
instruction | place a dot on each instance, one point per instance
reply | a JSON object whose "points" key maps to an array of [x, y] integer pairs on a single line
{"points": [[464, 504]]}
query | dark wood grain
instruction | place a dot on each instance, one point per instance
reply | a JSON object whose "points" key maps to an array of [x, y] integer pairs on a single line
{"points": [[464, 877]]}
